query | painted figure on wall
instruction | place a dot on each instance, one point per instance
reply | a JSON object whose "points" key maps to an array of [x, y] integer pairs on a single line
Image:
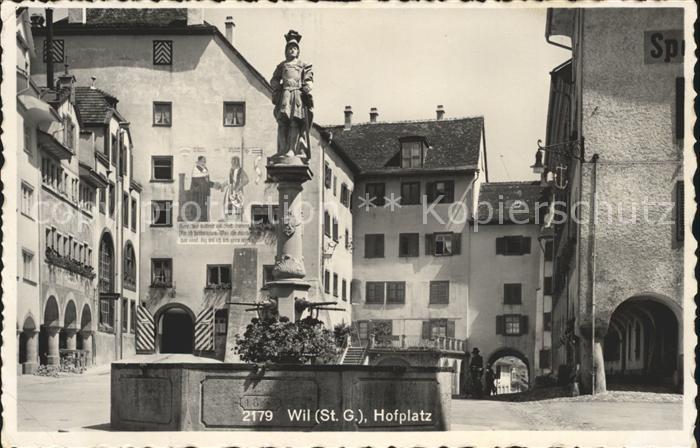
{"points": [[291, 83], [233, 190], [200, 188]]}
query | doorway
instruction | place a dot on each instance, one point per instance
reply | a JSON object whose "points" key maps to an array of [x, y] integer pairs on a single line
{"points": [[176, 331]]}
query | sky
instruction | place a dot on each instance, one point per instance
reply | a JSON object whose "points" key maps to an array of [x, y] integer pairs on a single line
{"points": [[488, 62], [493, 63]]}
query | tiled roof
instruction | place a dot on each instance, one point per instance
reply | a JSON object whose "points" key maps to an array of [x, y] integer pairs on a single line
{"points": [[454, 143], [496, 195], [94, 105], [140, 16]]}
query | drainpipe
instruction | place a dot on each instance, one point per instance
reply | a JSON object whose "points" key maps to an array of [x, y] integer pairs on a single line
{"points": [[594, 176]]}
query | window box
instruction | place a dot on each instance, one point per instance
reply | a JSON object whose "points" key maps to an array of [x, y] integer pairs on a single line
{"points": [[218, 286], [55, 259]]}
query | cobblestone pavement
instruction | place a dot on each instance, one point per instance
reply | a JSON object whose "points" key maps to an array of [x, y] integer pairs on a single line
{"points": [[81, 403]]}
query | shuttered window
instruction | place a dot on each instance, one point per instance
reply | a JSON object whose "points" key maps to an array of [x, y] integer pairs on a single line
{"points": [[374, 246], [512, 293], [443, 244], [511, 324], [408, 245], [375, 193], [435, 328], [513, 245], [441, 191]]}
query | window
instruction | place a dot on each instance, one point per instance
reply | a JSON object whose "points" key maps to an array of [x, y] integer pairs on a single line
{"points": [[162, 168], [442, 192], [28, 265], [335, 186], [161, 214], [375, 193], [132, 322], [112, 199], [438, 328], [68, 132], [264, 213], [327, 175], [335, 229], [161, 272], [327, 223], [513, 245], [27, 139], [512, 293], [220, 321], [162, 114], [410, 193], [344, 195], [511, 324], [411, 154], [234, 113], [327, 282], [396, 292], [107, 305], [125, 315], [439, 292], [125, 210], [374, 246], [548, 321], [134, 215], [546, 358], [408, 245], [106, 266], [103, 200], [267, 274], [348, 243], [375, 293], [162, 52], [27, 200], [547, 286], [219, 276], [344, 291], [443, 244], [335, 285], [129, 267]]}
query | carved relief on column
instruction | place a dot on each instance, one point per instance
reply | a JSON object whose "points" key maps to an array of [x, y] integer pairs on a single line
{"points": [[289, 223], [287, 266]]}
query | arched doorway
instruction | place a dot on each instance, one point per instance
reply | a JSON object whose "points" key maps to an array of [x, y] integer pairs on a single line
{"points": [[643, 342], [175, 329], [84, 337], [70, 327], [48, 334], [512, 370]]}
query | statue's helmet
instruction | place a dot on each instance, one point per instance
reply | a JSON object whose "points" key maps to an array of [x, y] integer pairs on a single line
{"points": [[292, 38]]}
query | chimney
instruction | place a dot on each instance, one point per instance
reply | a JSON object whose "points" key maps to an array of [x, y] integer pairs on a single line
{"points": [[230, 25], [76, 15], [440, 111], [195, 16], [66, 80], [373, 115], [348, 118]]}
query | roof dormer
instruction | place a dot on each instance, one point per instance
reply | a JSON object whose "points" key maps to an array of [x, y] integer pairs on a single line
{"points": [[414, 150]]}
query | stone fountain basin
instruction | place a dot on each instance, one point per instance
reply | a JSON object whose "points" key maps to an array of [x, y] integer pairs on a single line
{"points": [[167, 395]]}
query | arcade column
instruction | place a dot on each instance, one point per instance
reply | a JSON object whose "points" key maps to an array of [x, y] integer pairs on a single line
{"points": [[53, 357], [32, 350]]}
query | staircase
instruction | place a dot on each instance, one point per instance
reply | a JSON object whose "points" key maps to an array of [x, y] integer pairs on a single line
{"points": [[354, 356]]}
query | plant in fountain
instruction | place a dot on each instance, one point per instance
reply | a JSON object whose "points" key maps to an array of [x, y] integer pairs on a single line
{"points": [[273, 341]]}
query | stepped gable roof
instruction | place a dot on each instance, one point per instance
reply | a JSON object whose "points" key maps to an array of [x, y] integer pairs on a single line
{"points": [[507, 195], [94, 106], [454, 143]]}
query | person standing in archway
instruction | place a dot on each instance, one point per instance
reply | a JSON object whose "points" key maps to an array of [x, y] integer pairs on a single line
{"points": [[476, 367], [490, 381]]}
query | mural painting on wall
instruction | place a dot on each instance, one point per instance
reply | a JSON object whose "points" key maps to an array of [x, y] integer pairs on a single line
{"points": [[212, 185]]}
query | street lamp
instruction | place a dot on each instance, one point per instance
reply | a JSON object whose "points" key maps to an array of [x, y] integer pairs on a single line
{"points": [[572, 150]]}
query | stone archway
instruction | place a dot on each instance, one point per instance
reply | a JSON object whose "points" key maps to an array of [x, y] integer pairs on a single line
{"points": [[70, 327], [84, 338], [643, 343], [175, 329], [49, 333], [512, 362]]}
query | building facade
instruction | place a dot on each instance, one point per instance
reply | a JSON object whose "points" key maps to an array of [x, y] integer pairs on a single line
{"points": [[208, 214], [616, 115]]}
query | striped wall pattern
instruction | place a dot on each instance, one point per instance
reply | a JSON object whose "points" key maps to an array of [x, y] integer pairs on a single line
{"points": [[145, 331], [204, 330], [57, 50], [162, 52]]}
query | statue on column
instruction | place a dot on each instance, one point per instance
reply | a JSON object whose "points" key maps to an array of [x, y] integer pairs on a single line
{"points": [[291, 83]]}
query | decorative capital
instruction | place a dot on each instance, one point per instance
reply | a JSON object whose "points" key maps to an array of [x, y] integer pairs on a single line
{"points": [[287, 266]]}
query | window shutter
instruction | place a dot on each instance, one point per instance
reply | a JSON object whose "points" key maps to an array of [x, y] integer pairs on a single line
{"points": [[525, 244], [680, 211], [456, 243], [500, 246], [523, 324], [380, 247], [500, 325], [429, 244], [430, 191], [425, 331], [449, 192], [450, 332]]}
